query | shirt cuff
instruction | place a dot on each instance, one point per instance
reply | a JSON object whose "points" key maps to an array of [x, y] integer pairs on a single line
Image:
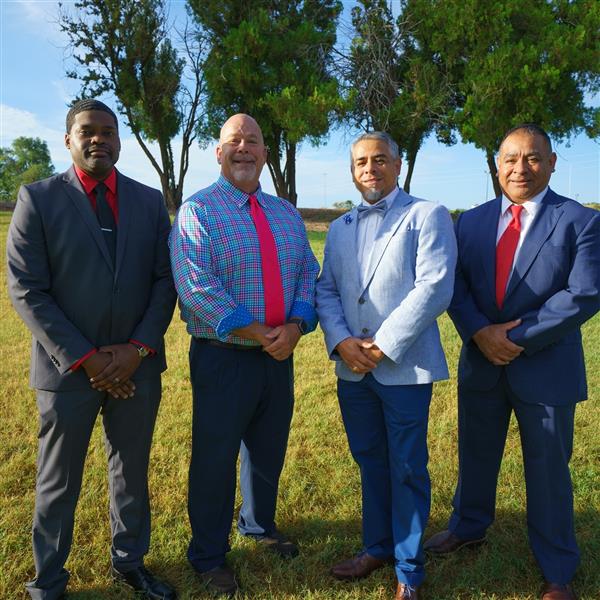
{"points": [[239, 318], [307, 312], [76, 365], [137, 343]]}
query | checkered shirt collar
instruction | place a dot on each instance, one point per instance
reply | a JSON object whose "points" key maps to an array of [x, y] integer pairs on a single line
{"points": [[239, 197]]}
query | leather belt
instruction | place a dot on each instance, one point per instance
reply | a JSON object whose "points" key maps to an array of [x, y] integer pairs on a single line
{"points": [[229, 345]]}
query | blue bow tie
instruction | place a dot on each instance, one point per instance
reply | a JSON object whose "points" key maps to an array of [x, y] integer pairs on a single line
{"points": [[364, 209]]}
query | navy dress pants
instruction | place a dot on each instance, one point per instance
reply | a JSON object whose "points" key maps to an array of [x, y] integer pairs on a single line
{"points": [[386, 427], [243, 403], [547, 442]]}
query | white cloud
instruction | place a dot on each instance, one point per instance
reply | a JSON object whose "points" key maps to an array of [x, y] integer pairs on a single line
{"points": [[15, 122]]}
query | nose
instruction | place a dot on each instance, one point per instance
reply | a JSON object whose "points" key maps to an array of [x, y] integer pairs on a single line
{"points": [[96, 138], [242, 146], [370, 165], [520, 164]]}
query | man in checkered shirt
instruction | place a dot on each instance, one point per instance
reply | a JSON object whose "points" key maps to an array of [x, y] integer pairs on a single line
{"points": [[241, 367]]}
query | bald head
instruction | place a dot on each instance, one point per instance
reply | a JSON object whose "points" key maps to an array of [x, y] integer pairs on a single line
{"points": [[240, 122], [241, 152]]}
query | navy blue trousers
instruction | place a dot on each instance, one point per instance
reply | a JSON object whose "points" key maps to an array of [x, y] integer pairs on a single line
{"points": [[547, 442], [386, 427], [243, 403]]}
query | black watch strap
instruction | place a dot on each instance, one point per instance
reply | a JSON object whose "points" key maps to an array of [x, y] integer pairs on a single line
{"points": [[300, 323]]}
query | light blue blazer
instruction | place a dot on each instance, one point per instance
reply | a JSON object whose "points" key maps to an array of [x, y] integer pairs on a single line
{"points": [[408, 285]]}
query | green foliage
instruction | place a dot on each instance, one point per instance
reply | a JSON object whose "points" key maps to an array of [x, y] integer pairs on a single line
{"points": [[26, 161], [272, 60], [124, 47], [514, 61], [344, 205]]}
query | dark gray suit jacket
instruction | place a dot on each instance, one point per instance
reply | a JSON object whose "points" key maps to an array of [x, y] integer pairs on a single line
{"points": [[63, 285]]}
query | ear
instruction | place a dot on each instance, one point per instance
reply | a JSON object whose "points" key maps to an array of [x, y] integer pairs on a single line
{"points": [[67, 140], [398, 166], [219, 153]]}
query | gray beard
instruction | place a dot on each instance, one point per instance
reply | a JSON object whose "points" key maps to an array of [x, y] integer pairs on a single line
{"points": [[373, 196], [243, 176]]}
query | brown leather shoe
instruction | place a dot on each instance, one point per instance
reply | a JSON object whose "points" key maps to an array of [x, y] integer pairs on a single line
{"points": [[445, 542], [357, 567], [406, 592], [558, 591]]}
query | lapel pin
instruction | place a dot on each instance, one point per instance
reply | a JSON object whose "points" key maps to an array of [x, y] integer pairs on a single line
{"points": [[347, 219]]}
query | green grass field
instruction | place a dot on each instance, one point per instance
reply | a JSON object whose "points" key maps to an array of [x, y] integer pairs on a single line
{"points": [[319, 502]]}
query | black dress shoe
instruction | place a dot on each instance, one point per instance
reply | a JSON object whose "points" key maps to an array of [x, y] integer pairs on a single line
{"points": [[278, 543], [220, 581], [143, 582]]}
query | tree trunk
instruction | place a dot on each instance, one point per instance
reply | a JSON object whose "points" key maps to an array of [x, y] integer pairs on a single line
{"points": [[290, 173], [411, 157], [276, 175], [489, 155]]}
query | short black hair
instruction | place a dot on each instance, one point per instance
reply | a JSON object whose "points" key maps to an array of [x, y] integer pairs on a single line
{"points": [[88, 104], [531, 129]]}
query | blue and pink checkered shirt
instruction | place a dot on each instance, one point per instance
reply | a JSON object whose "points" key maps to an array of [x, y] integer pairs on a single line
{"points": [[216, 264]]}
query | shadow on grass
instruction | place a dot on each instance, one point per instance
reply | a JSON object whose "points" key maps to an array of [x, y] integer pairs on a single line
{"points": [[503, 568]]}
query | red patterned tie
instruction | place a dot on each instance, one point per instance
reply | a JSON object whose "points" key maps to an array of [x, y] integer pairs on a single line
{"points": [[505, 252], [271, 273]]}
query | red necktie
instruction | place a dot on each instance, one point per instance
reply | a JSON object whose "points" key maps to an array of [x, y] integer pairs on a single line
{"points": [[271, 273], [505, 252]]}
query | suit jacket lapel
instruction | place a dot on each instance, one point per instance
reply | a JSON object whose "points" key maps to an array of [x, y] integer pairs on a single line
{"points": [[393, 219], [348, 246], [545, 220], [79, 198], [488, 231], [125, 197]]}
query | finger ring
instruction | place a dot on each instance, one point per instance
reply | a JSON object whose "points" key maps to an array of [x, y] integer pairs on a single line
{"points": [[355, 369], [116, 380]]}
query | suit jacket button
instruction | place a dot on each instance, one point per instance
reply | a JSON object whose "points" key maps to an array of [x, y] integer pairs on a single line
{"points": [[361, 300], [365, 330]]}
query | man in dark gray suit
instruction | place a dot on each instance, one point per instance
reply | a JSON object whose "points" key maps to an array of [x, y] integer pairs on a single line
{"points": [[88, 272]]}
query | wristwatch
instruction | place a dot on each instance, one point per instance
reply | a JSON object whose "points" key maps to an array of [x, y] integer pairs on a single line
{"points": [[142, 350], [301, 324]]}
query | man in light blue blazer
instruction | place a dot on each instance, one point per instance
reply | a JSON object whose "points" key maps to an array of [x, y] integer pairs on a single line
{"points": [[522, 351], [387, 275]]}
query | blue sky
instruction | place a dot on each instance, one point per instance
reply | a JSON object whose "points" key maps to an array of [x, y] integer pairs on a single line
{"points": [[34, 93]]}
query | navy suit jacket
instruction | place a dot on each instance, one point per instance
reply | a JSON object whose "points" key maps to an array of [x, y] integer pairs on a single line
{"points": [[554, 288], [64, 286]]}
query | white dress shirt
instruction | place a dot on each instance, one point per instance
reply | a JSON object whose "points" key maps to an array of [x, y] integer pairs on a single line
{"points": [[530, 209], [366, 232]]}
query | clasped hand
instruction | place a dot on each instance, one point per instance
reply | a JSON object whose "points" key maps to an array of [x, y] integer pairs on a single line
{"points": [[281, 341], [493, 342], [360, 355], [110, 369]]}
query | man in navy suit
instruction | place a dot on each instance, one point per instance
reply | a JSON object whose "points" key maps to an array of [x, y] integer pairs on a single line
{"points": [[88, 272], [528, 277]]}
